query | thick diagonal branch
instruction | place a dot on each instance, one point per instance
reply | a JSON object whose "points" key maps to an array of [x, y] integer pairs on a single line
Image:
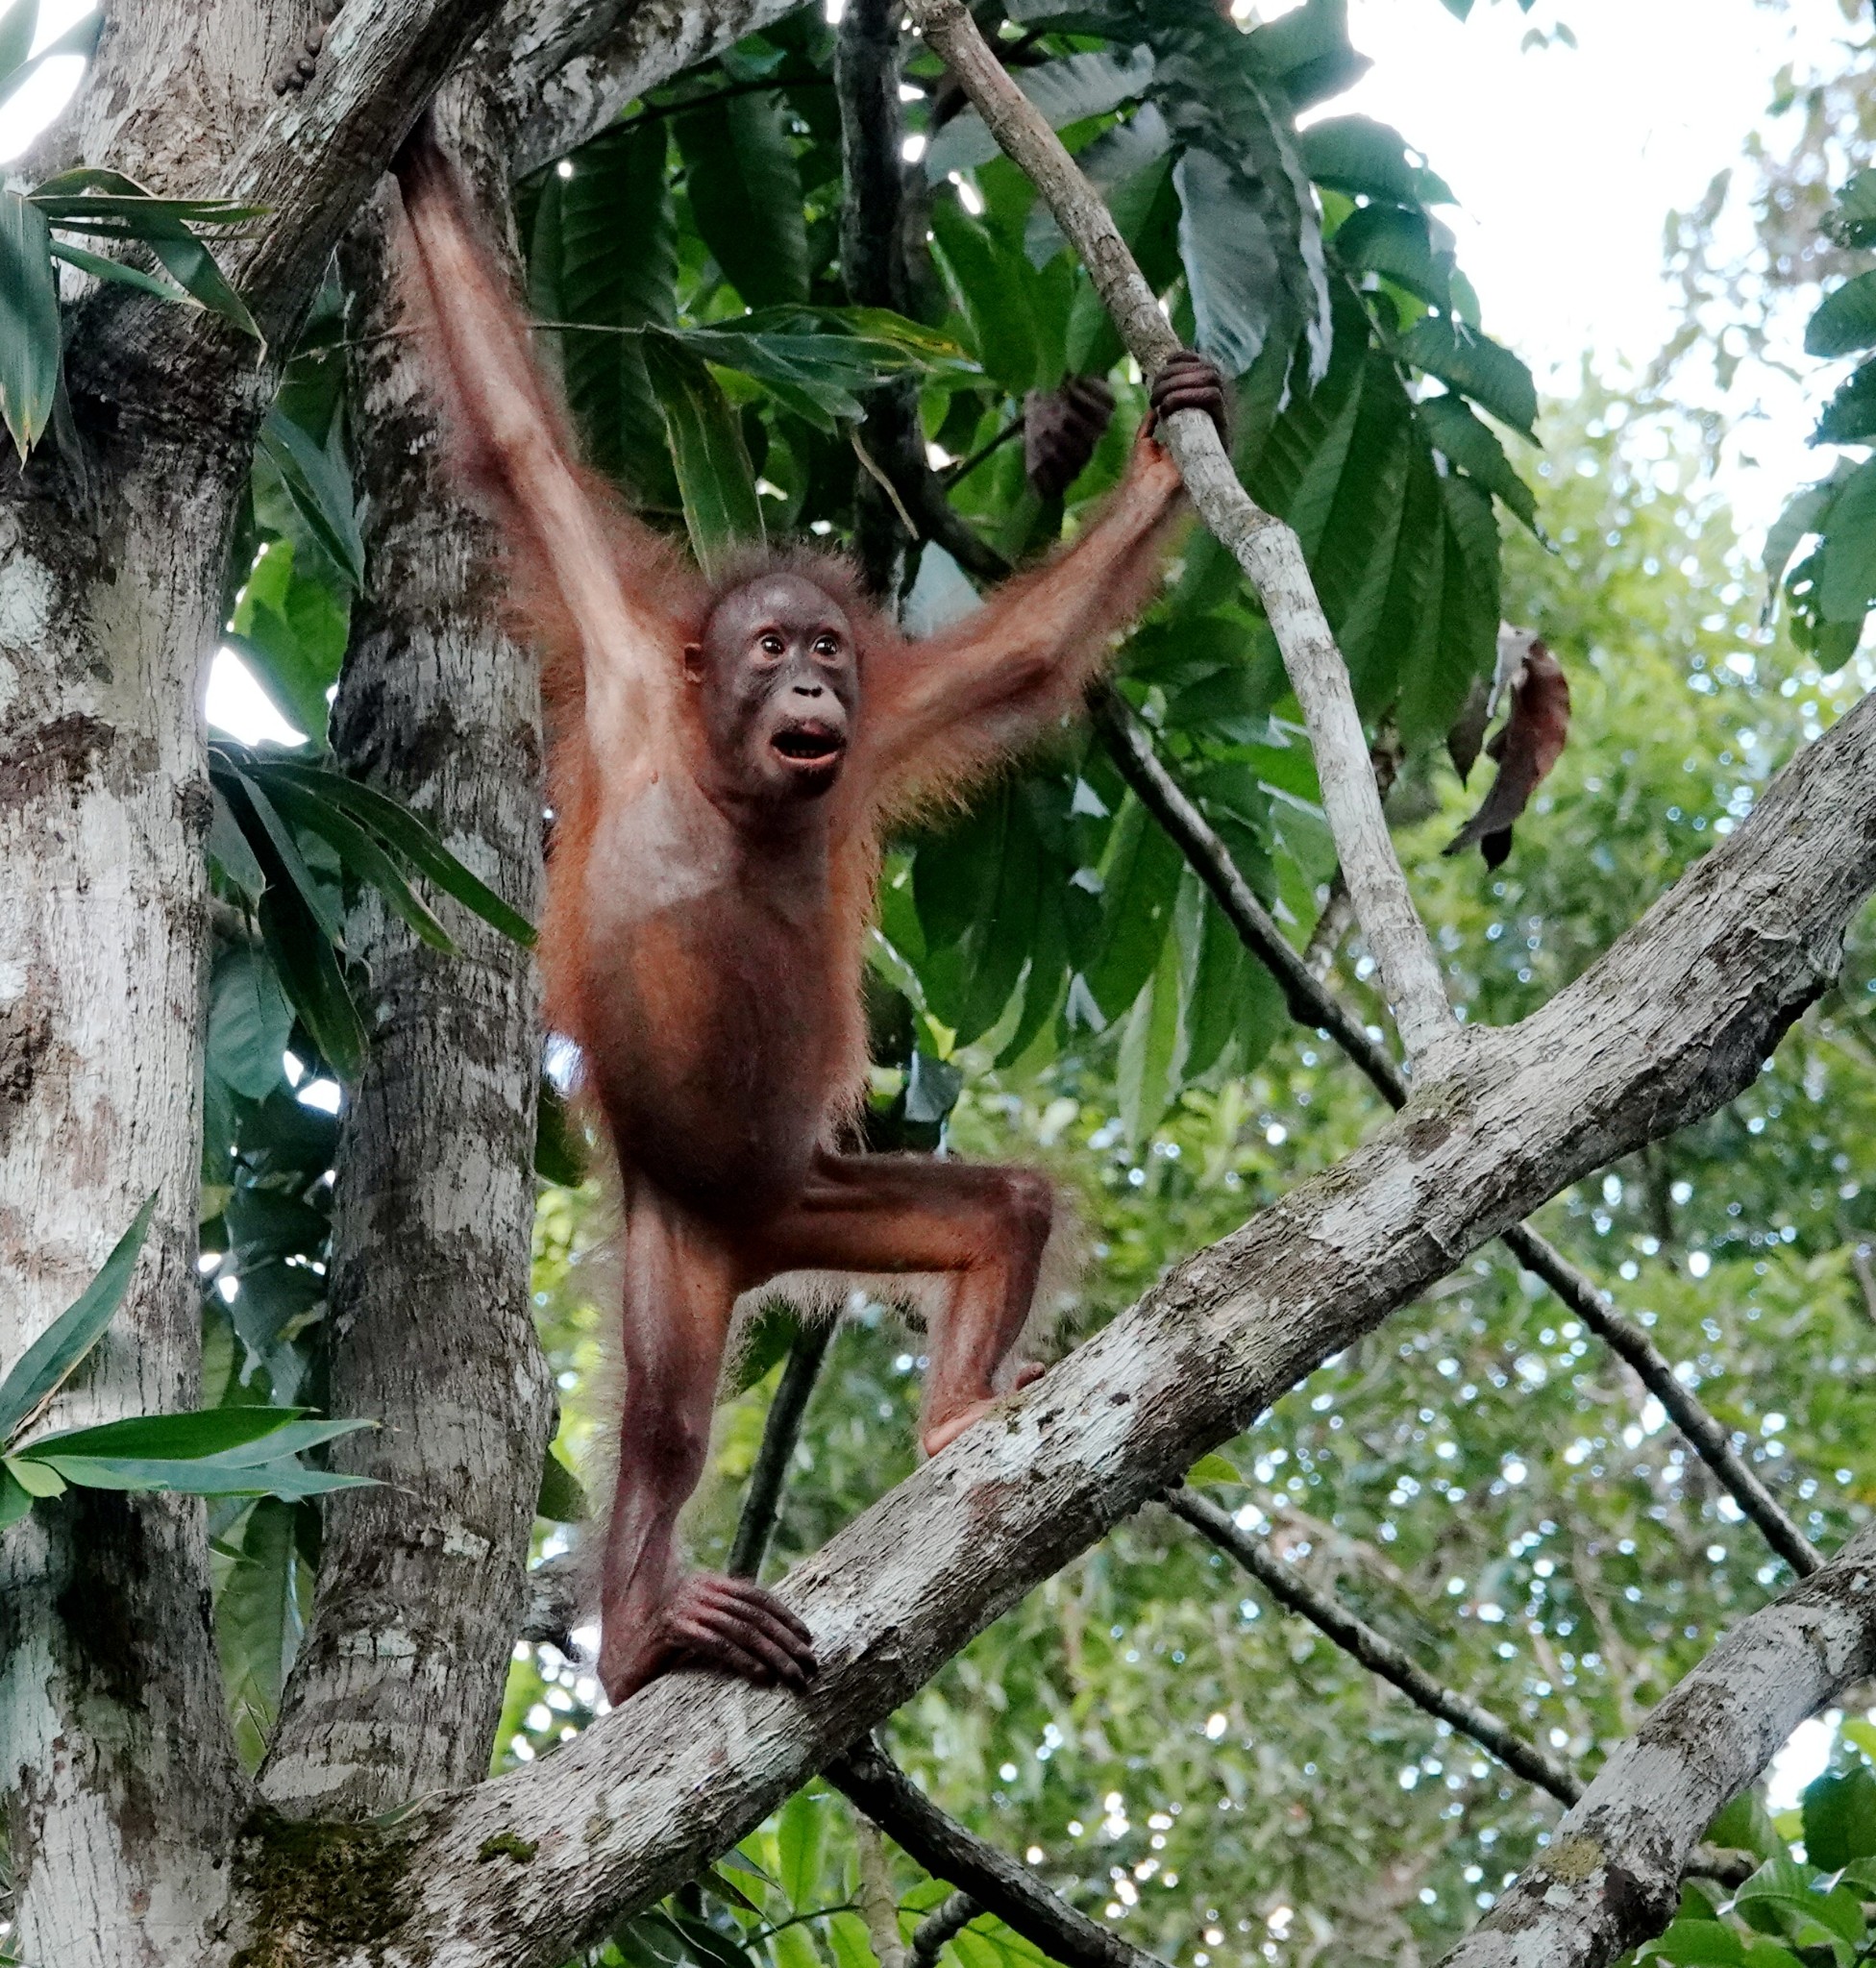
{"points": [[1267, 550], [1611, 1875], [1673, 1021], [1312, 1003]]}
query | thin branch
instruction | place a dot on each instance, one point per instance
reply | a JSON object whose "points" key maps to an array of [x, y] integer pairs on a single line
{"points": [[1312, 1003], [1264, 547], [999, 1883], [962, 468], [946, 1921], [762, 1502], [1374, 1650], [1379, 1655], [1332, 925]]}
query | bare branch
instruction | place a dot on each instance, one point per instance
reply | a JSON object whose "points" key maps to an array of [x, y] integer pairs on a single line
{"points": [[1312, 1003], [999, 1883], [1611, 1875], [1264, 547], [1671, 1022], [944, 1923], [1286, 1584]]}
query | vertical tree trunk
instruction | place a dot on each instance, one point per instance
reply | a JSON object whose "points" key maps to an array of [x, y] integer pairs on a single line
{"points": [[399, 1687]]}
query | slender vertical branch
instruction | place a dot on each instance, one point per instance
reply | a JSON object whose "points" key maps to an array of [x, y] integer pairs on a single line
{"points": [[1312, 1003], [779, 1435], [1267, 548]]}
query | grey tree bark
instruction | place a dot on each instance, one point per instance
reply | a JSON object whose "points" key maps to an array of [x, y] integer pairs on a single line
{"points": [[123, 1795], [399, 1687]]}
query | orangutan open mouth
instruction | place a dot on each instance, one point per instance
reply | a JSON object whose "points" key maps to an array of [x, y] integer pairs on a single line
{"points": [[809, 744]]}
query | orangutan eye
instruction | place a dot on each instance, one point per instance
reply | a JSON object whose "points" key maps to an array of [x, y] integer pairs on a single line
{"points": [[773, 645], [827, 646]]}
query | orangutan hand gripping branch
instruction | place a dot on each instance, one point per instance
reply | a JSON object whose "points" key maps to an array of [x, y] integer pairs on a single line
{"points": [[725, 759]]}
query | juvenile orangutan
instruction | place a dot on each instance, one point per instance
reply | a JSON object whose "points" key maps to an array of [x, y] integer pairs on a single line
{"points": [[724, 761]]}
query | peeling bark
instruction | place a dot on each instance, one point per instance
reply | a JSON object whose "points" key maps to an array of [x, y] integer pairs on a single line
{"points": [[399, 1686]]}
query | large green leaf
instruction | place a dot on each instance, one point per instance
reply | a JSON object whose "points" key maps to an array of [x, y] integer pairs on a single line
{"points": [[259, 1621], [38, 1373], [601, 251], [1367, 160], [1476, 366], [206, 1477], [30, 346], [1846, 321], [319, 483], [1400, 246], [746, 195], [994, 290], [405, 833], [1850, 415], [1065, 90], [1474, 447], [362, 856], [272, 834], [1847, 584], [250, 1022], [235, 1437], [1839, 1817], [721, 506]]}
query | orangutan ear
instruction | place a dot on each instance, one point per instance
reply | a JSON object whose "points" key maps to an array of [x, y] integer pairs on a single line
{"points": [[693, 662]]}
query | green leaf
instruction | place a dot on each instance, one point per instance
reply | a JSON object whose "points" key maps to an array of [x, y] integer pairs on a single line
{"points": [[16, 1499], [259, 1621], [30, 346], [721, 506], [746, 195], [102, 267], [229, 850], [1474, 447], [40, 1372], [96, 197], [1475, 366], [81, 38], [250, 1022], [1852, 220], [1804, 514], [1367, 160], [319, 483], [318, 901], [34, 1478], [798, 1842], [206, 1477], [1233, 260], [1065, 90], [602, 251], [235, 1437], [1847, 583], [1850, 415], [408, 835], [1840, 1818], [1400, 246], [1147, 1072], [561, 1497], [18, 24], [356, 849], [1213, 1468], [1845, 321], [992, 284], [1141, 886], [1700, 1944]]}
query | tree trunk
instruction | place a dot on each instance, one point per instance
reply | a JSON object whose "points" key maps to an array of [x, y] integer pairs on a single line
{"points": [[399, 1687]]}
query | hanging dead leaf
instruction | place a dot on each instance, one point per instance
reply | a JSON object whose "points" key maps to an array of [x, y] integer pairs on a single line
{"points": [[1527, 745]]}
